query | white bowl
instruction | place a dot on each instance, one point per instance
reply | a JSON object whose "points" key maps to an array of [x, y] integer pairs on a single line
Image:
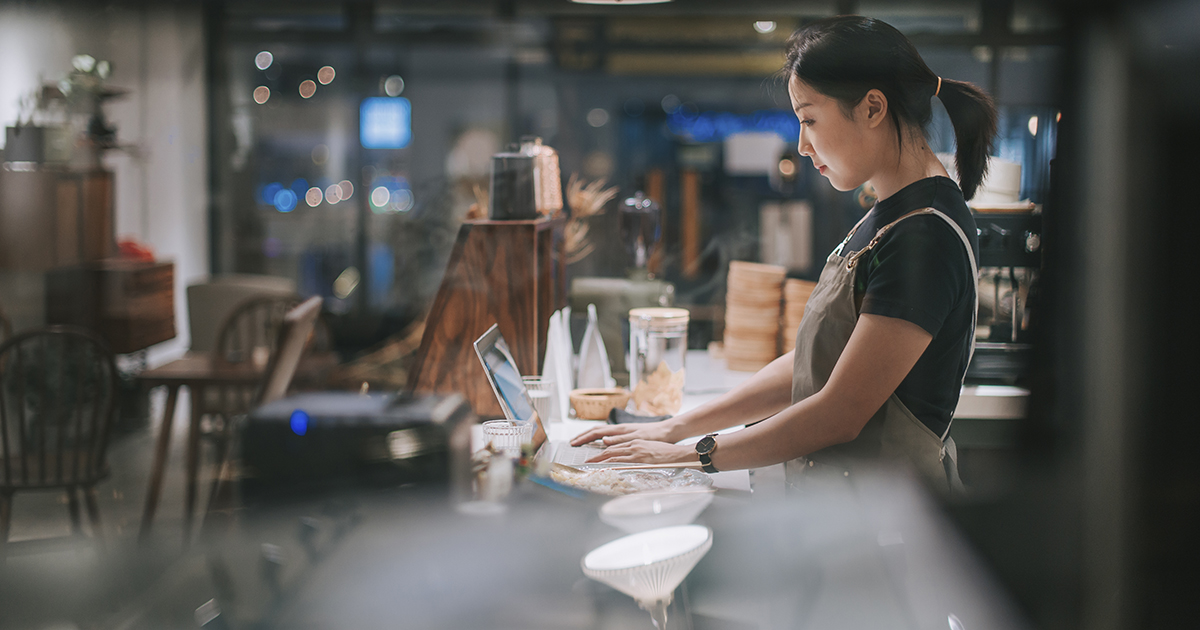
{"points": [[650, 510]]}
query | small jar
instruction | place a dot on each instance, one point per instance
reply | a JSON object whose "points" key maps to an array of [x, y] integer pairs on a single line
{"points": [[657, 350]]}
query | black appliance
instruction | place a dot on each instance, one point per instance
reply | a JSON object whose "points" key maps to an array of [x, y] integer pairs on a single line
{"points": [[1010, 259], [321, 441]]}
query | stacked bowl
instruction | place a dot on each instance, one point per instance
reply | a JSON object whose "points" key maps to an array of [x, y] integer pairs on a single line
{"points": [[795, 297], [752, 307]]}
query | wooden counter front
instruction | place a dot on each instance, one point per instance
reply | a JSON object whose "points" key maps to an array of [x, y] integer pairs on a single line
{"points": [[510, 273]]}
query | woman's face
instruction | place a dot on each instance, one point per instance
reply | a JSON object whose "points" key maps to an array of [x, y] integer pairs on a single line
{"points": [[842, 148]]}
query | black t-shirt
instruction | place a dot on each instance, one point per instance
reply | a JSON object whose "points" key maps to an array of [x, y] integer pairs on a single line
{"points": [[919, 272]]}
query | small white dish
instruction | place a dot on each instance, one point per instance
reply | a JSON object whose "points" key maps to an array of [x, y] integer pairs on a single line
{"points": [[651, 510]]}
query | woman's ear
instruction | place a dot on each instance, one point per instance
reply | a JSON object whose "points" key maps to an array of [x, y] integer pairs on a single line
{"points": [[875, 108]]}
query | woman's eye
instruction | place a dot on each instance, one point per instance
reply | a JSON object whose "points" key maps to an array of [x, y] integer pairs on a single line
{"points": [[808, 121]]}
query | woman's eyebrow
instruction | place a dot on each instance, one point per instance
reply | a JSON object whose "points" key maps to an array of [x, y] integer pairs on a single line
{"points": [[802, 106]]}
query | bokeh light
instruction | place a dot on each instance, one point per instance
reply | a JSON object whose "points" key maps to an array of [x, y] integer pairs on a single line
{"points": [[263, 60], [308, 87], [320, 154], [313, 197], [346, 188], [285, 200], [299, 186], [393, 85], [267, 193], [346, 282], [402, 200], [670, 103], [764, 26], [380, 196], [261, 94], [597, 117], [333, 194], [326, 74]]}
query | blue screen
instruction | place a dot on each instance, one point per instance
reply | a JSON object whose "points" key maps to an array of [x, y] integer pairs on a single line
{"points": [[385, 122], [508, 382]]}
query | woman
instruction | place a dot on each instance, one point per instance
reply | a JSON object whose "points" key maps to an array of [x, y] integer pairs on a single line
{"points": [[889, 330]]}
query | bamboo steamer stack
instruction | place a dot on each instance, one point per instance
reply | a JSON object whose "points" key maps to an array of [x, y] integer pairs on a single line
{"points": [[795, 297], [752, 308]]}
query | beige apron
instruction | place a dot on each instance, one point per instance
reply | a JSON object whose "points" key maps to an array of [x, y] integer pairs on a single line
{"points": [[893, 434]]}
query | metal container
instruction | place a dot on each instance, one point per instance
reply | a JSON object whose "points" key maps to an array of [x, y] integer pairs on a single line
{"points": [[641, 228], [657, 351], [513, 195]]}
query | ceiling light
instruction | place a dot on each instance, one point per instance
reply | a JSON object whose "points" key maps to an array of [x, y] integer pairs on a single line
{"points": [[764, 26]]}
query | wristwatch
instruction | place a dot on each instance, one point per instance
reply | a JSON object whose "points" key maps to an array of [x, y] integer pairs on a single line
{"points": [[705, 448]]}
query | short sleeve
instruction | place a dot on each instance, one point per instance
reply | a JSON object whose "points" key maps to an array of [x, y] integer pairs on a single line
{"points": [[918, 273]]}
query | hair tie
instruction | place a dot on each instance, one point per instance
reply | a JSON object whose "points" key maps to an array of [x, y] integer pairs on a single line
{"points": [[939, 87]]}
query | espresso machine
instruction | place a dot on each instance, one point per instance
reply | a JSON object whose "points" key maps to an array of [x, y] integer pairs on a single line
{"points": [[1010, 260]]}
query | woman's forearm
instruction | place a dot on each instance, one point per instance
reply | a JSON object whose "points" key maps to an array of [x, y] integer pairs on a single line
{"points": [[806, 427], [765, 394]]}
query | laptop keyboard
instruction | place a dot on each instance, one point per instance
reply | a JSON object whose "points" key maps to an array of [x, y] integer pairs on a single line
{"points": [[574, 455]]}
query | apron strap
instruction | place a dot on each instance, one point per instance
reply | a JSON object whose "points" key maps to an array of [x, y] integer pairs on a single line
{"points": [[852, 261], [838, 251]]}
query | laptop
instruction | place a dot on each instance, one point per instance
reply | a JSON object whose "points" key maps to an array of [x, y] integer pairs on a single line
{"points": [[514, 399]]}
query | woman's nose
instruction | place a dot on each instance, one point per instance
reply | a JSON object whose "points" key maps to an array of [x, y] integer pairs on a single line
{"points": [[802, 145]]}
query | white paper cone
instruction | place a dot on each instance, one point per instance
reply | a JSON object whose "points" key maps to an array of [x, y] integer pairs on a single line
{"points": [[594, 369]]}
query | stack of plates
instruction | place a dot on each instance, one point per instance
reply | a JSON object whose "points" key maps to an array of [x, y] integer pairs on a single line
{"points": [[795, 296], [752, 301]]}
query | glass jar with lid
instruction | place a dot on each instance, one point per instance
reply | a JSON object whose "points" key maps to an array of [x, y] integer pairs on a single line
{"points": [[657, 350]]}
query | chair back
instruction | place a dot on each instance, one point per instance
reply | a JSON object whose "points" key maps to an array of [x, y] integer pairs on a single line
{"points": [[250, 333], [210, 302], [298, 327], [58, 390]]}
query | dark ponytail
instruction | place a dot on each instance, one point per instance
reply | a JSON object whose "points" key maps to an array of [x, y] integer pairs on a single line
{"points": [[974, 118], [845, 57]]}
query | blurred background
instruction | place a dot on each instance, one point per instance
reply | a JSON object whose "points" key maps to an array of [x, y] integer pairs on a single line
{"points": [[334, 149]]}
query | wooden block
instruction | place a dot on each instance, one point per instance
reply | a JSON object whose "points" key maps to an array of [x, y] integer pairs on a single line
{"points": [[509, 273]]}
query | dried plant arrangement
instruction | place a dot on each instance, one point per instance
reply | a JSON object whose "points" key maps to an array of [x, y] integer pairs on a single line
{"points": [[585, 202]]}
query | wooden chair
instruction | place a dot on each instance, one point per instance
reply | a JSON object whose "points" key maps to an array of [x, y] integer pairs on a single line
{"points": [[251, 336], [229, 381], [57, 403], [295, 336], [298, 329]]}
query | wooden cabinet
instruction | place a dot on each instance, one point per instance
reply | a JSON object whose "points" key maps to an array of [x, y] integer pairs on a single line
{"points": [[131, 305], [50, 218], [510, 273]]}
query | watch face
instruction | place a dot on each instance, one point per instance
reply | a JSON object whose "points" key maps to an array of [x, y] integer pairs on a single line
{"points": [[706, 445]]}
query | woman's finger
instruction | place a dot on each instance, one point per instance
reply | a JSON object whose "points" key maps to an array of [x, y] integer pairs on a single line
{"points": [[614, 440], [607, 455], [591, 435]]}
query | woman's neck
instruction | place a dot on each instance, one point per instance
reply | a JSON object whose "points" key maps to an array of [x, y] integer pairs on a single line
{"points": [[917, 162]]}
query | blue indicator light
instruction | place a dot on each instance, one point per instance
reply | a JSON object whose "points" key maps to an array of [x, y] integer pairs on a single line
{"points": [[385, 122], [299, 422]]}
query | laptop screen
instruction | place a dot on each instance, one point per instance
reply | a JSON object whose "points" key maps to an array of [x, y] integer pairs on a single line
{"points": [[506, 381]]}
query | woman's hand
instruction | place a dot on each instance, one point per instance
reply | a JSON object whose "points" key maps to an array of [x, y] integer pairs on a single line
{"points": [[612, 434], [646, 452]]}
